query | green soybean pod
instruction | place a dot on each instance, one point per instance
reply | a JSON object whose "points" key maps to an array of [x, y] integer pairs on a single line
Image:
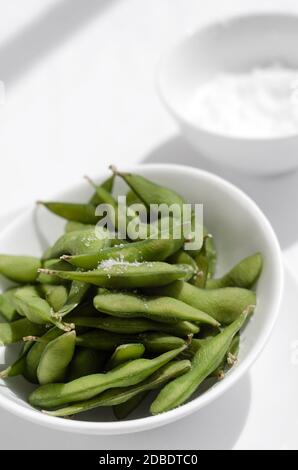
{"points": [[208, 357], [224, 304], [36, 309], [35, 353], [150, 249], [245, 274], [135, 325], [158, 343], [56, 296], [86, 361], [17, 330], [72, 226], [77, 293], [125, 353], [55, 358], [78, 242], [182, 257], [163, 309], [202, 263], [54, 263], [122, 395], [148, 191], [7, 306], [125, 375], [120, 275], [107, 185], [103, 340], [132, 198], [76, 212], [21, 269], [19, 365]]}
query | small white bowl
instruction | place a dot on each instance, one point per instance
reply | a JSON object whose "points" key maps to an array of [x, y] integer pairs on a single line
{"points": [[235, 45], [239, 229]]}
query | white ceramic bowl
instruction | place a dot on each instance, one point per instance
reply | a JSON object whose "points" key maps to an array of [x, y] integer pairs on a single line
{"points": [[239, 228], [235, 45]]}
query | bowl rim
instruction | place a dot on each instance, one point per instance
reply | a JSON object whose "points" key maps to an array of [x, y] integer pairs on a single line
{"points": [[222, 23], [150, 422]]}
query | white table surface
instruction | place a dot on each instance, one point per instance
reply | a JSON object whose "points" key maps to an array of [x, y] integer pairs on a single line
{"points": [[80, 94]]}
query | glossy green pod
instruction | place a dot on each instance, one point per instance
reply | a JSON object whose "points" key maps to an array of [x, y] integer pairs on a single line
{"points": [[125, 375], [208, 357], [225, 304], [163, 309], [21, 269], [119, 275], [245, 274]]}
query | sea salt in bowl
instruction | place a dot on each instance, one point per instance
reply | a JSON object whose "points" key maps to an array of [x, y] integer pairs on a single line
{"points": [[239, 229], [239, 45]]}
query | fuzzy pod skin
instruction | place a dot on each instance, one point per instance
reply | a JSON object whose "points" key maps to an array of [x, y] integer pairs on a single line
{"points": [[55, 359], [244, 274], [139, 251], [21, 269], [208, 357], [125, 353], [17, 330], [129, 275], [224, 304], [125, 375], [163, 309], [122, 395]]}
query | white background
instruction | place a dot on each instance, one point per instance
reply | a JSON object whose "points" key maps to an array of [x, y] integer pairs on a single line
{"points": [[80, 94]]}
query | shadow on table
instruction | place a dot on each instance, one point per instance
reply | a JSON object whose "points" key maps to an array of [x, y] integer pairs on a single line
{"points": [[277, 196], [44, 33], [217, 426]]}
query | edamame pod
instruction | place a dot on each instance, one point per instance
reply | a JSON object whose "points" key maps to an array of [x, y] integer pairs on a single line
{"points": [[122, 395], [135, 325], [181, 257], [21, 269], [224, 304], [36, 309], [86, 361], [145, 250], [78, 291], [78, 242], [35, 353], [16, 330], [159, 343], [76, 212], [125, 375], [7, 306], [19, 366], [148, 191], [108, 186], [123, 275], [103, 340], [163, 309], [55, 263], [55, 358], [208, 357], [245, 274], [56, 296], [202, 263], [125, 353]]}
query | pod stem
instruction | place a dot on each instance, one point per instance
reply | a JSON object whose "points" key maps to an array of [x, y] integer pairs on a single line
{"points": [[90, 181]]}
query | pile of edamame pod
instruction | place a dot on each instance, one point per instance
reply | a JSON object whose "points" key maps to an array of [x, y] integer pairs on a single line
{"points": [[102, 322]]}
